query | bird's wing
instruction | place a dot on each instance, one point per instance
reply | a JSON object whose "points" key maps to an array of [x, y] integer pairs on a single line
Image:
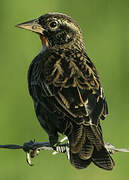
{"points": [[74, 85], [78, 94]]}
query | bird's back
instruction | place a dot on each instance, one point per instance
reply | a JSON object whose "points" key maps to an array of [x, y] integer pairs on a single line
{"points": [[69, 99]]}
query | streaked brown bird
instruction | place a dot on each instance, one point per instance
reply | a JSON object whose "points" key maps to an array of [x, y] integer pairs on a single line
{"points": [[66, 90]]}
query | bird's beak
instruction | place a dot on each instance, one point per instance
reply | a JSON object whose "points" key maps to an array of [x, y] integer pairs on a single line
{"points": [[32, 25]]}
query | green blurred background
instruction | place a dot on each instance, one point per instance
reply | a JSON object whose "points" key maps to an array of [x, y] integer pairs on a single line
{"points": [[105, 24]]}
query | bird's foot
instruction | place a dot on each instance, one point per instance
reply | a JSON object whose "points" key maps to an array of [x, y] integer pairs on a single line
{"points": [[62, 148], [31, 151]]}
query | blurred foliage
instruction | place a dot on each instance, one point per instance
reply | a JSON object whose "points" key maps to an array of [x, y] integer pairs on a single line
{"points": [[105, 25]]}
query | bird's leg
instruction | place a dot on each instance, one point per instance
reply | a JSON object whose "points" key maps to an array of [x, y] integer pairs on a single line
{"points": [[57, 147], [63, 139], [62, 148], [67, 152]]}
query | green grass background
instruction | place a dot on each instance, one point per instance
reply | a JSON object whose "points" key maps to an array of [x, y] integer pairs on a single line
{"points": [[105, 25]]}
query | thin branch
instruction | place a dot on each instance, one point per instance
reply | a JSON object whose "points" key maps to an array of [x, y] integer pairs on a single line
{"points": [[32, 148], [112, 149]]}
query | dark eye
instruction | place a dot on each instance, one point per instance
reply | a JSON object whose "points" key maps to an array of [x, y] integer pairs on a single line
{"points": [[53, 24]]}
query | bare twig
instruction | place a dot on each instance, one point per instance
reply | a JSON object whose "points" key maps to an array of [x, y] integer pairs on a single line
{"points": [[32, 148]]}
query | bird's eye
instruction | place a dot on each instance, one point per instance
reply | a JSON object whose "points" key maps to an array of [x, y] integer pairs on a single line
{"points": [[53, 24]]}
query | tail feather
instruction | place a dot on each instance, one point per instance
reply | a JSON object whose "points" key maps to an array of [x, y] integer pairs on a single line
{"points": [[86, 146], [103, 159], [77, 138], [86, 150], [77, 131], [79, 163], [94, 135]]}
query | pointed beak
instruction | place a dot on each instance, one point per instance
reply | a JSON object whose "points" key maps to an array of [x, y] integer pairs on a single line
{"points": [[32, 25]]}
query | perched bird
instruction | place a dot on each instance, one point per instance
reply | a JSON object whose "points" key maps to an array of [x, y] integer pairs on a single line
{"points": [[66, 90]]}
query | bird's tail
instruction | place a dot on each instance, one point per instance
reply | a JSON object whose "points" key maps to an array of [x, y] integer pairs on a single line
{"points": [[86, 146]]}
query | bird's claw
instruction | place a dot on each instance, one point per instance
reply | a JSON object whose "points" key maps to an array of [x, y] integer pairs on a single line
{"points": [[32, 149], [28, 159], [31, 152]]}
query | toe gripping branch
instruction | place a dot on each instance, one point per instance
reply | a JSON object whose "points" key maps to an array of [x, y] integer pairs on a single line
{"points": [[33, 148]]}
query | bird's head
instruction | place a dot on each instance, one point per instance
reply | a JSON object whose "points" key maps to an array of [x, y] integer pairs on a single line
{"points": [[55, 29]]}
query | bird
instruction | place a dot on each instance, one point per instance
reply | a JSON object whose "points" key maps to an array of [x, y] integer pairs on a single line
{"points": [[66, 90]]}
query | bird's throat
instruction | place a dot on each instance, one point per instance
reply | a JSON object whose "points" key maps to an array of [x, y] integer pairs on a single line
{"points": [[44, 41]]}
